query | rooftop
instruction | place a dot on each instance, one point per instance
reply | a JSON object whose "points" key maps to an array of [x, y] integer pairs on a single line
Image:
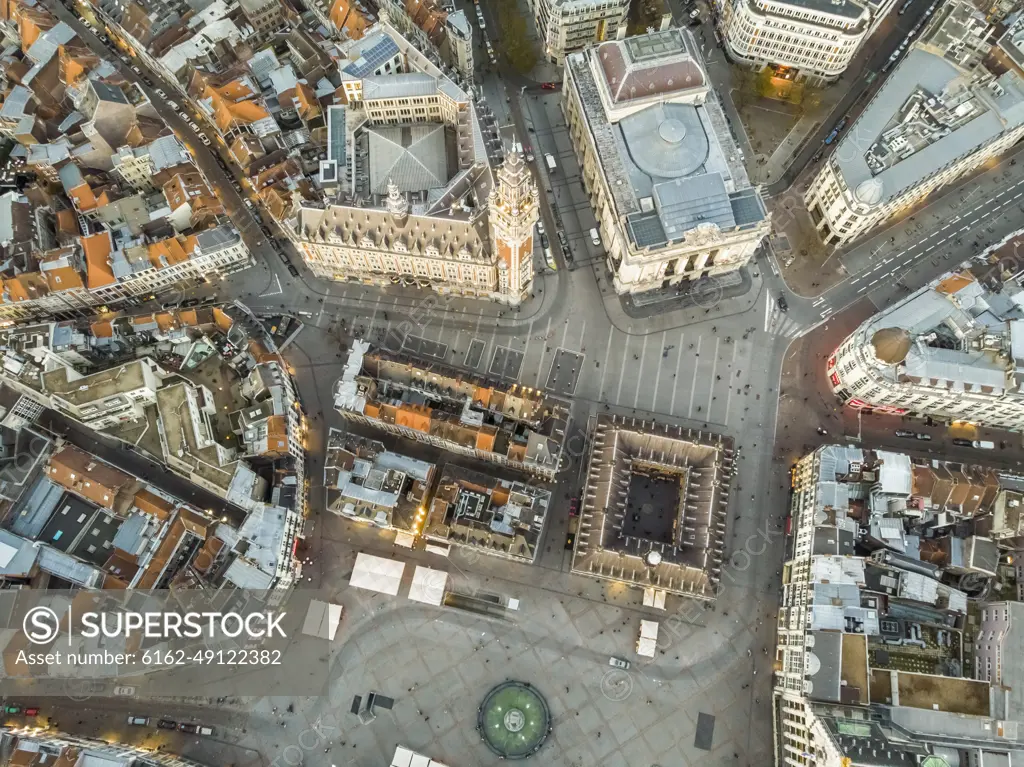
{"points": [[664, 528], [926, 114], [496, 516], [665, 148]]}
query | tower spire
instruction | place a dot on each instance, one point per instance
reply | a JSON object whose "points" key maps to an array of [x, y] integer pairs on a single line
{"points": [[396, 204]]}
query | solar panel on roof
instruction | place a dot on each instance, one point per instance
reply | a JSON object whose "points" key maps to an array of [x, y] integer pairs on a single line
{"points": [[647, 230]]}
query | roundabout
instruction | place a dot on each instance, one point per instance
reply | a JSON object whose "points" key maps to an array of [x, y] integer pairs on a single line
{"points": [[514, 720]]}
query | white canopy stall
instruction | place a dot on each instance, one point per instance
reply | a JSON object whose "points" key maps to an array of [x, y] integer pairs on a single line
{"points": [[647, 644], [428, 585], [377, 574], [322, 619]]}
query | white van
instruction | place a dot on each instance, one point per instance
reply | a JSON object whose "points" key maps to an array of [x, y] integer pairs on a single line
{"points": [[595, 237]]}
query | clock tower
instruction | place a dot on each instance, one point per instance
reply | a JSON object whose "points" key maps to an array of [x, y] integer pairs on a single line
{"points": [[512, 212]]}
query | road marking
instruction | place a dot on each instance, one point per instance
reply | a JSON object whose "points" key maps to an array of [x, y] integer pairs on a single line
{"points": [[565, 331], [966, 228], [693, 383], [657, 377], [607, 349], [543, 347], [728, 399], [277, 292], [529, 337], [622, 370], [640, 372], [675, 378], [767, 310], [714, 372], [827, 312], [373, 319], [583, 334]]}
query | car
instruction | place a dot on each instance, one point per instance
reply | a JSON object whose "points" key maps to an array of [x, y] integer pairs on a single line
{"points": [[923, 437], [12, 710], [544, 242], [618, 663], [783, 304], [574, 506], [905, 433], [190, 303], [595, 237], [292, 270], [183, 115], [136, 70], [529, 157], [842, 123], [822, 431], [138, 721], [124, 690], [202, 137], [817, 156], [204, 730], [160, 93], [695, 14], [962, 442], [172, 104], [570, 541], [191, 729], [540, 227], [33, 711], [167, 724], [549, 86]]}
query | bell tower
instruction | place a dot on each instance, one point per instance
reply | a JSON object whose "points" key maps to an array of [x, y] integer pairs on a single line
{"points": [[512, 212]]}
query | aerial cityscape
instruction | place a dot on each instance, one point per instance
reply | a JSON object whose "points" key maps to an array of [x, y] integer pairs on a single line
{"points": [[439, 383]]}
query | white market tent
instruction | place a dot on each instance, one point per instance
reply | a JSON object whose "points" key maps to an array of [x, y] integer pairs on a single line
{"points": [[377, 574], [654, 598], [428, 585], [406, 758], [322, 619], [647, 644], [405, 540]]}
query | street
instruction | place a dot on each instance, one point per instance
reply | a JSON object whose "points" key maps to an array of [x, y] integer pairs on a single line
{"points": [[722, 365]]}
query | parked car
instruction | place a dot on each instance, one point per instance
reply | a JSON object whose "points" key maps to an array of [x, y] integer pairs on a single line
{"points": [[570, 541], [160, 93], [172, 104], [540, 226], [202, 137], [124, 690], [292, 270], [167, 724], [12, 710], [783, 304], [905, 433], [136, 70], [618, 662], [574, 506], [962, 442], [923, 437], [544, 241], [204, 730], [695, 14], [549, 86], [138, 721], [33, 711], [595, 237], [191, 729]]}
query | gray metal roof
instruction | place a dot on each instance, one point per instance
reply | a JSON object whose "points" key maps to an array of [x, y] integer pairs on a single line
{"points": [[14, 105], [747, 207], [412, 156], [689, 202], [372, 58], [109, 92], [46, 44], [70, 176], [403, 85], [210, 240], [845, 8], [645, 229], [922, 70], [828, 651], [336, 134], [666, 140]]}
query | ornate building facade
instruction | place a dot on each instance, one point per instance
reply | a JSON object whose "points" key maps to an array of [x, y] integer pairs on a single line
{"points": [[485, 253]]}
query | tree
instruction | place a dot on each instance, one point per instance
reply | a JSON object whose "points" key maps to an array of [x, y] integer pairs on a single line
{"points": [[515, 44]]}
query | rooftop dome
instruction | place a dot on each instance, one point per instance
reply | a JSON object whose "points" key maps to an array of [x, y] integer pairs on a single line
{"points": [[870, 192], [672, 131], [891, 345]]}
